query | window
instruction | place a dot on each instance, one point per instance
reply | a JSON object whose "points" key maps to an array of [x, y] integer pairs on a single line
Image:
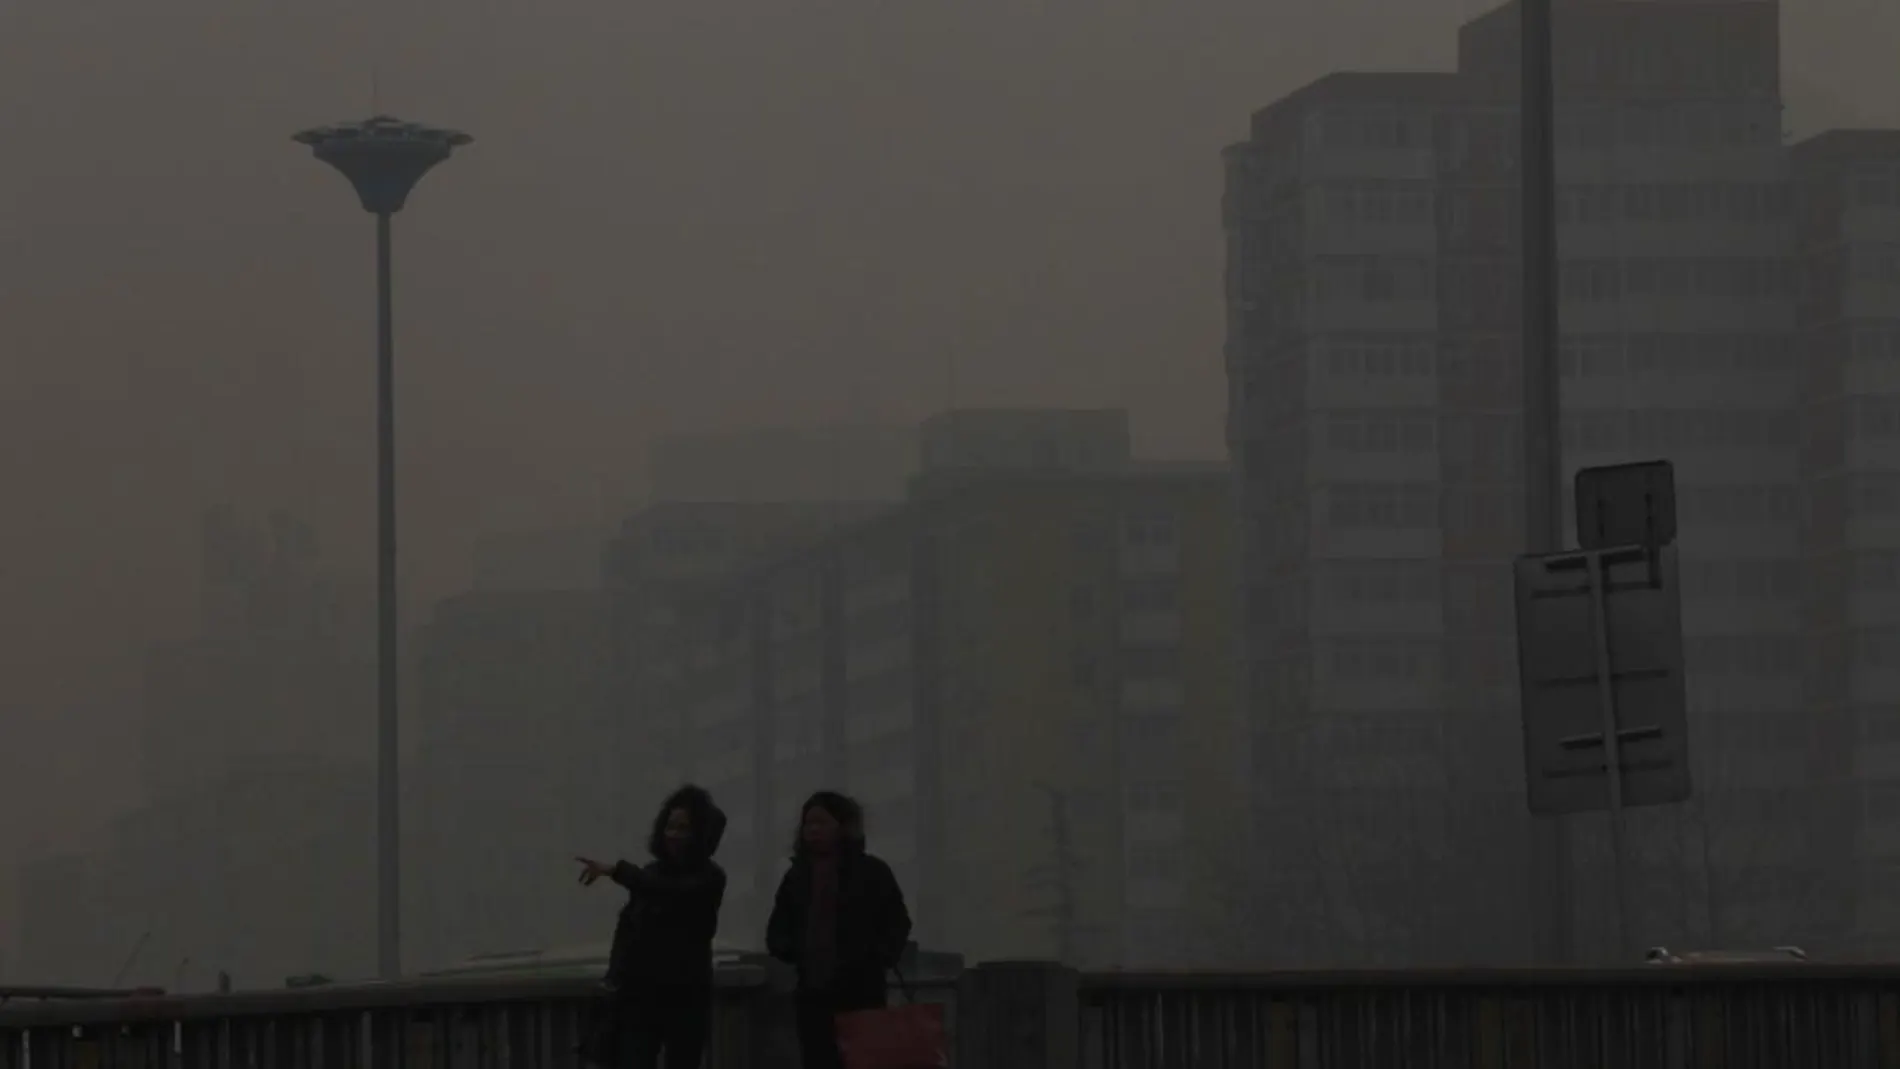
{"points": [[1592, 356], [1382, 505], [1478, 596], [1156, 861], [1375, 279], [1152, 737], [1382, 582], [1084, 671], [1089, 536], [1154, 797], [1590, 280], [1876, 265], [1150, 596], [1877, 570], [1876, 343], [1742, 655], [1154, 528], [1671, 430], [1877, 650], [1382, 430], [1876, 419], [1140, 663], [1379, 660], [1379, 356], [1875, 187], [1874, 496], [1739, 505], [1769, 578], [1082, 602]]}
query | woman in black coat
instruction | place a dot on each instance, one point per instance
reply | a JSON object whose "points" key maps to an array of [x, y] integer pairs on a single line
{"points": [[839, 917], [660, 972]]}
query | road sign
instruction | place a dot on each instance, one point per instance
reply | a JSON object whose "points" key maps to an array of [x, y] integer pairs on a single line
{"points": [[1626, 505], [1599, 641]]}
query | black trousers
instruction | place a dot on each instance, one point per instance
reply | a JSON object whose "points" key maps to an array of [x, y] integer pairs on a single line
{"points": [[818, 1023], [662, 1027]]}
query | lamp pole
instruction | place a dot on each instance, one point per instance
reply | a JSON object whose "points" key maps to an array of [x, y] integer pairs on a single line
{"points": [[384, 158]]}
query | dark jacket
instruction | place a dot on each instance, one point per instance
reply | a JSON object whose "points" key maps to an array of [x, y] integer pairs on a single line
{"points": [[873, 925], [665, 934]]}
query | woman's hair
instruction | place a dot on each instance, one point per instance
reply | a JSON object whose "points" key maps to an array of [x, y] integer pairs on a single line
{"points": [[705, 817], [843, 808]]}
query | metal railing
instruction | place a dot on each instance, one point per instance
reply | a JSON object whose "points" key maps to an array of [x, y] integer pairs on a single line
{"points": [[1731, 1016], [478, 1024], [1037, 1016]]}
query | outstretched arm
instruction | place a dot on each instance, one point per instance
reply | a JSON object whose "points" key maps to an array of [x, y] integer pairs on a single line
{"points": [[698, 880]]}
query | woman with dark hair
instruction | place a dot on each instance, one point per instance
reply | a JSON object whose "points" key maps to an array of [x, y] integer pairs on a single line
{"points": [[839, 918], [660, 970]]}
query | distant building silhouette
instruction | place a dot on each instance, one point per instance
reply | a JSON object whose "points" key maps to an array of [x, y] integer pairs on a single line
{"points": [[543, 729], [1040, 615], [250, 850], [519, 765], [59, 939], [564, 559], [281, 665], [839, 463]]}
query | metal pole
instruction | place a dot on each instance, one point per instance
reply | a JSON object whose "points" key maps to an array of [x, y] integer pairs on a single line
{"points": [[388, 815], [1612, 739], [1543, 461]]}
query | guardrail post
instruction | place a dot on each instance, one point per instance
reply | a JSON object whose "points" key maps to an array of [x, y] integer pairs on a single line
{"points": [[1018, 1015]]}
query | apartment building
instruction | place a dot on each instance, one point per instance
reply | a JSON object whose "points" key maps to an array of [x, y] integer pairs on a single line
{"points": [[1374, 421], [1024, 674], [1847, 192]]}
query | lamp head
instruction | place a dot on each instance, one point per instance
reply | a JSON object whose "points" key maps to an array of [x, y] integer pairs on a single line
{"points": [[382, 157]]}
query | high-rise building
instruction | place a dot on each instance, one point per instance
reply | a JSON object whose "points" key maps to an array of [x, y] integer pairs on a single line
{"points": [[1024, 672], [1847, 192], [1374, 349]]}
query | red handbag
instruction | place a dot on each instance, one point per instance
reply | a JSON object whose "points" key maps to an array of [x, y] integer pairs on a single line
{"points": [[911, 1036]]}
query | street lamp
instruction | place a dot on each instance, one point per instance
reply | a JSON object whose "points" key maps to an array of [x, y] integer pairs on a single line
{"points": [[384, 158]]}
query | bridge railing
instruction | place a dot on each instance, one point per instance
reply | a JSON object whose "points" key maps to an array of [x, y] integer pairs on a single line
{"points": [[526, 1022], [1645, 1017], [1030, 1015]]}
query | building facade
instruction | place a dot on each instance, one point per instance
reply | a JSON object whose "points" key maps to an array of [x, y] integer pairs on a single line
{"points": [[1375, 425], [1847, 192]]}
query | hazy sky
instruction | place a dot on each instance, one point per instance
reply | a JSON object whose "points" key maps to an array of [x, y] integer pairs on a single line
{"points": [[696, 213]]}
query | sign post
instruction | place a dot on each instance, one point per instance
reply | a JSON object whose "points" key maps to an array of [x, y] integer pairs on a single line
{"points": [[1600, 660]]}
